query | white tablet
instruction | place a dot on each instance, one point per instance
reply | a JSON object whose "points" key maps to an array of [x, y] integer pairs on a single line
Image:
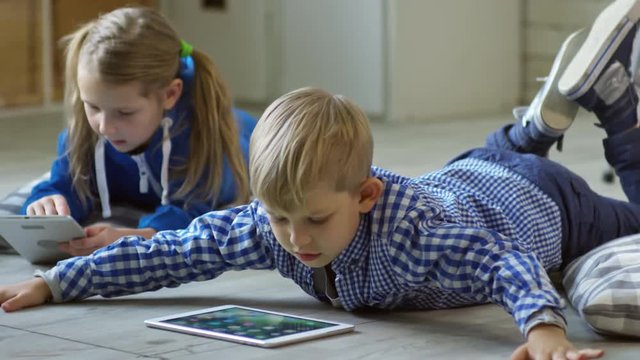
{"points": [[36, 238], [249, 326]]}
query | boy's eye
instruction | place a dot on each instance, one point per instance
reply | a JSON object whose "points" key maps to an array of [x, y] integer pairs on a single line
{"points": [[126, 113], [318, 221], [278, 219]]}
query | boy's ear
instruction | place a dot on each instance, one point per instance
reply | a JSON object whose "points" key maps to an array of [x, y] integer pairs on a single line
{"points": [[370, 191], [172, 93]]}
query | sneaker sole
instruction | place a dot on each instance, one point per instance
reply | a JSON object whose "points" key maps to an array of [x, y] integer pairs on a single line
{"points": [[556, 111], [609, 29]]}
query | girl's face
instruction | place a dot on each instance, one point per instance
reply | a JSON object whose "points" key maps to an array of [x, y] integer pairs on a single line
{"points": [[121, 113]]}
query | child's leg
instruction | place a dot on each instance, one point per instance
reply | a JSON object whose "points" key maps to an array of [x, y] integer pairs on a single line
{"points": [[589, 219], [540, 125], [601, 79]]}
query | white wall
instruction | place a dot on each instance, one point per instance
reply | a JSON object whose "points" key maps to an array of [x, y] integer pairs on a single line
{"points": [[266, 48], [236, 39], [401, 59], [337, 45], [453, 57]]}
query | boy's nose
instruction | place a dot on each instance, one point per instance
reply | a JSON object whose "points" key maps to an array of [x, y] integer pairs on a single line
{"points": [[299, 238]]}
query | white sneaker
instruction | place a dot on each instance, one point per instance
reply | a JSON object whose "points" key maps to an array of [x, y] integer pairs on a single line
{"points": [[610, 42], [550, 111]]}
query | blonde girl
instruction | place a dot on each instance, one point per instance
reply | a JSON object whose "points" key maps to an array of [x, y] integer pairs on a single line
{"points": [[150, 125]]}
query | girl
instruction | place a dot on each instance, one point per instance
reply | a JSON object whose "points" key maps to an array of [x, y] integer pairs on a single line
{"points": [[150, 126]]}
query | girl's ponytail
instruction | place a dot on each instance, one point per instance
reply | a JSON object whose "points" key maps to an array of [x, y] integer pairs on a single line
{"points": [[82, 139], [216, 137]]}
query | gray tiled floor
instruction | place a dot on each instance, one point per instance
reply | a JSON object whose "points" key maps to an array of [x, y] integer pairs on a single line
{"points": [[113, 328]]}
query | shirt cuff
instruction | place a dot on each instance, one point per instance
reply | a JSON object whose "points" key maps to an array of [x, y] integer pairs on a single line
{"points": [[51, 278], [545, 316]]}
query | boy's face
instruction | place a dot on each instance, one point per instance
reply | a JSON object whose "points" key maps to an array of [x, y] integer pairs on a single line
{"points": [[318, 233]]}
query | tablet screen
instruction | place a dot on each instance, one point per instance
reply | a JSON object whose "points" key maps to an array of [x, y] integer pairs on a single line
{"points": [[249, 326], [249, 323]]}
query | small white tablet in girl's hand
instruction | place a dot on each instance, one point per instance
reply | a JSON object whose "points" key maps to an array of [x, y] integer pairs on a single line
{"points": [[249, 326], [36, 238]]}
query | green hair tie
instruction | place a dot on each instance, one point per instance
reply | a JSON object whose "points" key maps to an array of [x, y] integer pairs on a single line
{"points": [[185, 49]]}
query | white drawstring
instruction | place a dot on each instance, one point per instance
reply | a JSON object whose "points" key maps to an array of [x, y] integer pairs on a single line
{"points": [[101, 177], [142, 172], [166, 153], [634, 67]]}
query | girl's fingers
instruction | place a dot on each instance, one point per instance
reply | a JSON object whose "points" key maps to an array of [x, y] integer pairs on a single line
{"points": [[60, 203], [36, 209], [50, 207]]}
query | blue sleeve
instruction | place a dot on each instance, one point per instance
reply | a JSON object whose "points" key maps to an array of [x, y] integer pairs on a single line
{"points": [[60, 182], [214, 243], [478, 263], [170, 217]]}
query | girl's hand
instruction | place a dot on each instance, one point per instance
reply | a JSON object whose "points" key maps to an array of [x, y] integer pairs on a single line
{"points": [[98, 236], [49, 205], [28, 293], [548, 342]]}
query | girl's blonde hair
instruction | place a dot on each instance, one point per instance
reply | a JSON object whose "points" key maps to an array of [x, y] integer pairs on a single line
{"points": [[138, 44], [305, 138]]}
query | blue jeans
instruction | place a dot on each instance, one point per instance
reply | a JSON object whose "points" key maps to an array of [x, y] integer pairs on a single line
{"points": [[588, 219]]}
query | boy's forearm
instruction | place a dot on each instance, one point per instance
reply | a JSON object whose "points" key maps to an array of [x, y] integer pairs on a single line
{"points": [[131, 266], [545, 316], [81, 277], [544, 331], [50, 277], [170, 258]]}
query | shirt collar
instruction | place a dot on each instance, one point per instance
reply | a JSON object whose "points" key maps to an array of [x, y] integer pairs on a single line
{"points": [[357, 251]]}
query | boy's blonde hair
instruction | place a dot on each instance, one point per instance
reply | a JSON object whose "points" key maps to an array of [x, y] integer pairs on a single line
{"points": [[305, 138], [138, 44]]}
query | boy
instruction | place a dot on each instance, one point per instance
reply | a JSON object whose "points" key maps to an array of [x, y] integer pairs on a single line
{"points": [[485, 228]]}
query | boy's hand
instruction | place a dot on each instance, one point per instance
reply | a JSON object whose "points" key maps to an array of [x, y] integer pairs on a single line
{"points": [[28, 293], [49, 205], [548, 342]]}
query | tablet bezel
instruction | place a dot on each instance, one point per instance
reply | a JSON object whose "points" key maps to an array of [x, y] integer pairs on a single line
{"points": [[16, 230], [336, 328]]}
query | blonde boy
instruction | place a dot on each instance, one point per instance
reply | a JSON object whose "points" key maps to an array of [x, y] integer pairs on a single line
{"points": [[347, 233], [311, 169]]}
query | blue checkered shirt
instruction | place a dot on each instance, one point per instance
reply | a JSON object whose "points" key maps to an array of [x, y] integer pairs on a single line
{"points": [[471, 233]]}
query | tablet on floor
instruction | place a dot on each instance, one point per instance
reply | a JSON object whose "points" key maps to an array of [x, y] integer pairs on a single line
{"points": [[249, 326]]}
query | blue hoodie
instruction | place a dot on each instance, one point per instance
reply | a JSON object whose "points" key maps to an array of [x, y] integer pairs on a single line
{"points": [[137, 180]]}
